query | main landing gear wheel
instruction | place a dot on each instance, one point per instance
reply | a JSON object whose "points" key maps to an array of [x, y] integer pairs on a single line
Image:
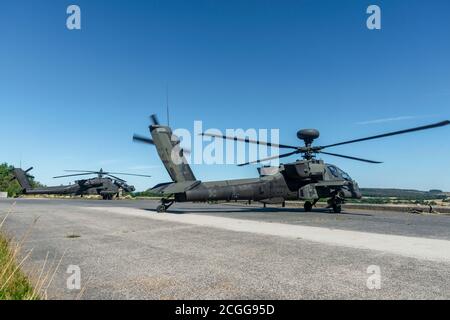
{"points": [[337, 208], [308, 206], [336, 201]]}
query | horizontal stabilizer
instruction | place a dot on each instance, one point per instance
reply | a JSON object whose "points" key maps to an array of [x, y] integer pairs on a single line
{"points": [[175, 187]]}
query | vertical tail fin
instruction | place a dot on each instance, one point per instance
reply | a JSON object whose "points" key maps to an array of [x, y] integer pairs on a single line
{"points": [[22, 178], [162, 138]]}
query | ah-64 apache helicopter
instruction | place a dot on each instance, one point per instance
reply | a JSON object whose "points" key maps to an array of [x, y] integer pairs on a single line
{"points": [[307, 179], [105, 184]]}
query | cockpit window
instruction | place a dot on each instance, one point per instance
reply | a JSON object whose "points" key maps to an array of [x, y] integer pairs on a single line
{"points": [[333, 171], [338, 173], [345, 175]]}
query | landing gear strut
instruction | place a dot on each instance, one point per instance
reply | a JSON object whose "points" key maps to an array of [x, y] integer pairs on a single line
{"points": [[165, 204]]}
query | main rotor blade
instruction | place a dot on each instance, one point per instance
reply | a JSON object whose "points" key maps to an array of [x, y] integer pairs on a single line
{"points": [[348, 157], [117, 178], [269, 158], [85, 171], [142, 139], [430, 126], [247, 140], [72, 175], [129, 174]]}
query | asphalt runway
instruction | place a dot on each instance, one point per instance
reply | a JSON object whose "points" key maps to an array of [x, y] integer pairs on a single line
{"points": [[125, 250]]}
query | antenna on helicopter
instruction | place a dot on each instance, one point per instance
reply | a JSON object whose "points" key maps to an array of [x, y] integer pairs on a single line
{"points": [[167, 105]]}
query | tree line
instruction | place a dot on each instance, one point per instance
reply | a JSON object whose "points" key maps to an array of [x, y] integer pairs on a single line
{"points": [[10, 185]]}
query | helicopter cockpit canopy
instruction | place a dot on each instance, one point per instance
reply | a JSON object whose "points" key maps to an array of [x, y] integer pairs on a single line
{"points": [[338, 173]]}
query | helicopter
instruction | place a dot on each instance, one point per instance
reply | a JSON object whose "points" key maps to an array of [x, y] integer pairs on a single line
{"points": [[105, 184], [308, 179]]}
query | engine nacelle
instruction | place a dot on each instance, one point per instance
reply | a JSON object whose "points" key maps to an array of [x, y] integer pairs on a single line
{"points": [[306, 169]]}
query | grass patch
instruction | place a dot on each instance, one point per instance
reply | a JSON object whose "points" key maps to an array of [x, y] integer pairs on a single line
{"points": [[14, 285]]}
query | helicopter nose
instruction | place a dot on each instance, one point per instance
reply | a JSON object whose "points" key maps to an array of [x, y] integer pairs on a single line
{"points": [[356, 192]]}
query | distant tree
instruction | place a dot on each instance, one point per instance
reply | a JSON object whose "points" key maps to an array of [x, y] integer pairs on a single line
{"points": [[10, 186], [6, 185], [402, 194], [146, 193]]}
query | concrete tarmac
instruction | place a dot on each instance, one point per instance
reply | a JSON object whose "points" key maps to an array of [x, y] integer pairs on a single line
{"points": [[125, 250]]}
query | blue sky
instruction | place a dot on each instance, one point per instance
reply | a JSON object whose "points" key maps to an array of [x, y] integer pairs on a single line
{"points": [[73, 99]]}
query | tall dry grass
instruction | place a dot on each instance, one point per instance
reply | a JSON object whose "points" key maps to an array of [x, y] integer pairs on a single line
{"points": [[14, 283]]}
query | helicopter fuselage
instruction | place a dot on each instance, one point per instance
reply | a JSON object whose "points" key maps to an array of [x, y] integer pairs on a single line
{"points": [[305, 180], [309, 179]]}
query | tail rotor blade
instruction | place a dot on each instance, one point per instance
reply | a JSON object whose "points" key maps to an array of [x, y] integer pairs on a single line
{"points": [[142, 139], [185, 151], [154, 120], [29, 169]]}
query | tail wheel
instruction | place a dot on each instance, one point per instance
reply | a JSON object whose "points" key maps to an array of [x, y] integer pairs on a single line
{"points": [[161, 208]]}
